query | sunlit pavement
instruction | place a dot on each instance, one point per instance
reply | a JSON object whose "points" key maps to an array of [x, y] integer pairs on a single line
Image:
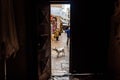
{"points": [[60, 65]]}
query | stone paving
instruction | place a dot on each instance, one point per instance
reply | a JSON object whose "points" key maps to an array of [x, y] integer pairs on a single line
{"points": [[60, 65]]}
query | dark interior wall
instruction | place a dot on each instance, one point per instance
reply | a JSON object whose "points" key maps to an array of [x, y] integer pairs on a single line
{"points": [[31, 48], [1, 52], [114, 56], [24, 65], [17, 66], [90, 28]]}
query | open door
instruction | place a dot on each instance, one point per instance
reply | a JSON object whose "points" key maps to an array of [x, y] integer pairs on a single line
{"points": [[43, 40], [60, 40]]}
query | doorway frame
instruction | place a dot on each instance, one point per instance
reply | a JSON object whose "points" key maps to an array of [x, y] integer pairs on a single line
{"points": [[63, 2]]}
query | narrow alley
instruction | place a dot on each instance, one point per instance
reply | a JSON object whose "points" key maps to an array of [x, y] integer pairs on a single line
{"points": [[60, 30], [60, 65]]}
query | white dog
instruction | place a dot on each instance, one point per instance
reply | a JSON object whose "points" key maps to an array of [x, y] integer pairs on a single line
{"points": [[59, 50]]}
